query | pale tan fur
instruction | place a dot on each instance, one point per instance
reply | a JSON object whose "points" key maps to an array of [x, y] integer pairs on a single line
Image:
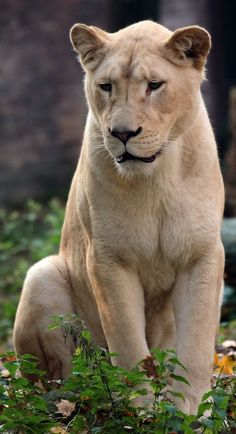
{"points": [[141, 258]]}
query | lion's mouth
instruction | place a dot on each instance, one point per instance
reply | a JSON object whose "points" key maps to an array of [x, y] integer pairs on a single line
{"points": [[127, 156]]}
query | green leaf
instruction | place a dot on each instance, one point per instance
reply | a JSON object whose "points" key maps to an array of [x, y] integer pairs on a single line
{"points": [[180, 379], [176, 361], [205, 406], [12, 367], [86, 335], [207, 395], [177, 394]]}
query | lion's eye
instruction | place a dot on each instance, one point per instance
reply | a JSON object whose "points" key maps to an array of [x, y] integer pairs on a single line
{"points": [[107, 87], [154, 85]]}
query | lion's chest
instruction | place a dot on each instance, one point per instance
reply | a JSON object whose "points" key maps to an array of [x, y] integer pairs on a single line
{"points": [[136, 240], [156, 238]]}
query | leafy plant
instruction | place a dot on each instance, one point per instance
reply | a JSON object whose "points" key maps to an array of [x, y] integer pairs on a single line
{"points": [[99, 398], [23, 408]]}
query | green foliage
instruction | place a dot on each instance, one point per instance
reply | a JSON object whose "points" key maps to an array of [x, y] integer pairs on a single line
{"points": [[26, 236], [102, 396], [22, 405]]}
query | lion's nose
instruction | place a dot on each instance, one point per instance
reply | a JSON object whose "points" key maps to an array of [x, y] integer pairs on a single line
{"points": [[124, 136]]}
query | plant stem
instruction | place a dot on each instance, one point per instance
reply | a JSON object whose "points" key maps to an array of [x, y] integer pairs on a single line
{"points": [[106, 384], [165, 423]]}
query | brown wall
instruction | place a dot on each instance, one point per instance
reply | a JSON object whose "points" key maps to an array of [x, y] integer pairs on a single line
{"points": [[42, 106]]}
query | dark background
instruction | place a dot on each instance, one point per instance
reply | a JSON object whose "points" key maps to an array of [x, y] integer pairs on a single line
{"points": [[42, 105]]}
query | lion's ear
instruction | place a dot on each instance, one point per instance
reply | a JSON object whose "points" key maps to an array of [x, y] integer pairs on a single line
{"points": [[89, 42], [188, 46]]}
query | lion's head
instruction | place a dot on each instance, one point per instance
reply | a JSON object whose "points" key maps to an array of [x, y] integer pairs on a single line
{"points": [[142, 85]]}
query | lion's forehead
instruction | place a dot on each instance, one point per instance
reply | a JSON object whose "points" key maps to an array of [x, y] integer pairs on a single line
{"points": [[140, 66], [121, 68]]}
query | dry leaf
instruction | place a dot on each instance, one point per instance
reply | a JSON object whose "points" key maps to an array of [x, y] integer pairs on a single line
{"points": [[65, 407], [149, 366], [84, 398], [40, 385], [129, 413], [5, 373], [12, 358], [58, 430]]}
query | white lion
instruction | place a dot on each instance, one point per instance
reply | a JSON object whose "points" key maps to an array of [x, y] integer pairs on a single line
{"points": [[141, 258]]}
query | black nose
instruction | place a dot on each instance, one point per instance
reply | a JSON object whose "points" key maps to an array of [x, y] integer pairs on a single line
{"points": [[124, 136]]}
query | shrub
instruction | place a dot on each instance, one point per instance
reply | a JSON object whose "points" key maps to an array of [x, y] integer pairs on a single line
{"points": [[98, 397]]}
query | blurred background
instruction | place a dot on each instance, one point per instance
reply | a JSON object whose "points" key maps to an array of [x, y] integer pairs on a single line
{"points": [[43, 111]]}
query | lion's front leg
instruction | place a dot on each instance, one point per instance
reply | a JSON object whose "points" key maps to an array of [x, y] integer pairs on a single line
{"points": [[196, 298], [120, 301]]}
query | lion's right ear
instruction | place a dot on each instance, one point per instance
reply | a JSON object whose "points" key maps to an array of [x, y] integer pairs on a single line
{"points": [[89, 42]]}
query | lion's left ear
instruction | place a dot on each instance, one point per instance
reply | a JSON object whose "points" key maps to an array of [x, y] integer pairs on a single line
{"points": [[188, 46]]}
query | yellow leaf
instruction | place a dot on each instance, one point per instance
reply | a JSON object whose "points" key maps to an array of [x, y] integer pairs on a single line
{"points": [[216, 359], [226, 365]]}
